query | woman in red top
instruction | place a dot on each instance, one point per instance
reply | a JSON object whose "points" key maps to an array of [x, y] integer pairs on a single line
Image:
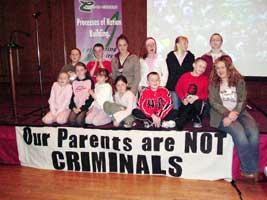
{"points": [[94, 65]]}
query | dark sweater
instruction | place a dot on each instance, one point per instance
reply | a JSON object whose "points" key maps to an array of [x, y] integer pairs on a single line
{"points": [[176, 70]]}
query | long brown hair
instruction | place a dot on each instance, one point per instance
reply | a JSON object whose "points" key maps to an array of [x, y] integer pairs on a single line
{"points": [[143, 50], [233, 75]]}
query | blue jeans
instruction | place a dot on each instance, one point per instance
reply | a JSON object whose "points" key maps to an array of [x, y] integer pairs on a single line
{"points": [[175, 100], [245, 134]]}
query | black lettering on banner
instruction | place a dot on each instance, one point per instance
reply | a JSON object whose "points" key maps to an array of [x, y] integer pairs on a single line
{"points": [[73, 141], [105, 142], [82, 140], [126, 164], [73, 161], [27, 135], [146, 144], [141, 165], [156, 165], [99, 162], [56, 157], [93, 141], [113, 162], [177, 169], [38, 139], [157, 142], [206, 143], [220, 136], [127, 144], [116, 141], [62, 135], [190, 143], [169, 144], [85, 161]]}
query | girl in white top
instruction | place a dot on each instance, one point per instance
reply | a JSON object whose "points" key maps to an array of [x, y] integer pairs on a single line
{"points": [[102, 93], [150, 61], [125, 102]]}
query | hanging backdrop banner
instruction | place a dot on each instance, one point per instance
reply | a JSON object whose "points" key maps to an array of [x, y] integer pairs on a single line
{"points": [[192, 155], [97, 22]]}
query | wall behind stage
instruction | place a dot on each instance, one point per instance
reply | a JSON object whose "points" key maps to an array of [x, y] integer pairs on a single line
{"points": [[57, 36]]}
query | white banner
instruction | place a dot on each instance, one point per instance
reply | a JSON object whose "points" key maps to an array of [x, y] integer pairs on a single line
{"points": [[192, 155]]}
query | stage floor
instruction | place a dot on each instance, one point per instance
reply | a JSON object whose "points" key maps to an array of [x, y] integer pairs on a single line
{"points": [[27, 183]]}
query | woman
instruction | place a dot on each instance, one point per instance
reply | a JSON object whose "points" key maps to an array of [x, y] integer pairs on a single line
{"points": [[150, 61], [178, 61], [126, 64], [216, 42], [227, 96]]}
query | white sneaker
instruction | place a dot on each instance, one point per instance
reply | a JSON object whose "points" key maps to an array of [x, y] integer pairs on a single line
{"points": [[168, 124]]}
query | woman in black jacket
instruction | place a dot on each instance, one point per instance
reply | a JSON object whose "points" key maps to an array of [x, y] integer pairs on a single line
{"points": [[178, 61]]}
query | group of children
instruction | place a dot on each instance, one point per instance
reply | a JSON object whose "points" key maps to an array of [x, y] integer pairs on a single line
{"points": [[92, 102], [162, 94]]}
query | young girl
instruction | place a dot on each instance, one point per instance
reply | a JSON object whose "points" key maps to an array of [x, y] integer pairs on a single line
{"points": [[179, 62], [150, 61], [126, 64], [102, 93], [216, 42], [59, 101], [125, 102], [227, 96], [81, 99]]}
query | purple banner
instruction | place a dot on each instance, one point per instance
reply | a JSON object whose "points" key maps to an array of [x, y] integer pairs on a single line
{"points": [[98, 21]]}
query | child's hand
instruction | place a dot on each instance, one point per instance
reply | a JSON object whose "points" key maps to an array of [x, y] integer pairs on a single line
{"points": [[156, 120], [227, 121], [233, 115], [185, 101], [76, 110], [91, 92], [192, 98]]}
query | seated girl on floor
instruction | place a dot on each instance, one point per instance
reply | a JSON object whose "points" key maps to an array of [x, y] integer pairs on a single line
{"points": [[59, 100], [81, 99], [125, 102], [103, 92]]}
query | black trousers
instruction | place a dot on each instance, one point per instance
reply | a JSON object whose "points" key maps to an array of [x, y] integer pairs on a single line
{"points": [[199, 108], [139, 115]]}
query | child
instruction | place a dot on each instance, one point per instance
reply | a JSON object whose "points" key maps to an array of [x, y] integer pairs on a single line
{"points": [[155, 105], [59, 101], [227, 96], [81, 99], [192, 89], [125, 102], [75, 56], [150, 61], [103, 92], [94, 65], [216, 41], [179, 62]]}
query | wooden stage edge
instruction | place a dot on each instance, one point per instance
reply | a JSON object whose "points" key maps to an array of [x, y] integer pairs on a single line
{"points": [[24, 183]]}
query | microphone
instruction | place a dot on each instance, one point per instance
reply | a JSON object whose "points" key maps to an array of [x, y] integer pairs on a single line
{"points": [[36, 14]]}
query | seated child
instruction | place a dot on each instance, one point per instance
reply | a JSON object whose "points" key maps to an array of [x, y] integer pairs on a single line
{"points": [[81, 99], [59, 101], [192, 89], [125, 102], [155, 105], [103, 92]]}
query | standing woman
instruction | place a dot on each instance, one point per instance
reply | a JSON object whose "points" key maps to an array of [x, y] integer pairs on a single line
{"points": [[126, 64], [216, 42], [227, 97], [150, 61], [178, 61]]}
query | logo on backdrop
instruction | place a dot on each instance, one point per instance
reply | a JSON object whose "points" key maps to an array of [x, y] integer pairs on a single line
{"points": [[87, 6]]}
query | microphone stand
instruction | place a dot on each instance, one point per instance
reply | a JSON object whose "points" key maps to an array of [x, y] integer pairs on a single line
{"points": [[39, 67]]}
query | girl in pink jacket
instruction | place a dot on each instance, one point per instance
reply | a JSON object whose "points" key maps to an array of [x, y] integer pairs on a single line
{"points": [[59, 101]]}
